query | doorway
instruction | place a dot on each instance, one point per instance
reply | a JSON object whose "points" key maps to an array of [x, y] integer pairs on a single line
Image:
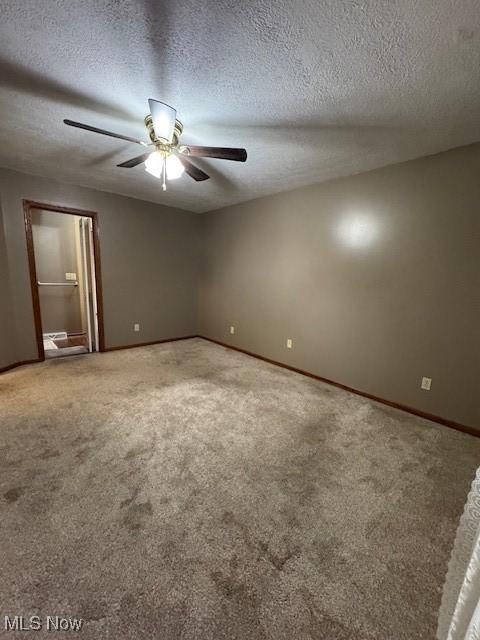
{"points": [[64, 260]]}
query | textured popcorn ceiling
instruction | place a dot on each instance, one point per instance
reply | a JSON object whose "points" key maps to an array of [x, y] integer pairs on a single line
{"points": [[313, 89]]}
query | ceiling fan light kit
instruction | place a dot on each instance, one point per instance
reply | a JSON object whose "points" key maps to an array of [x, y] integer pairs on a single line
{"points": [[170, 159], [161, 165]]}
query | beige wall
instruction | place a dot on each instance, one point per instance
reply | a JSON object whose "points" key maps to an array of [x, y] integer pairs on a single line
{"points": [[55, 246], [375, 277], [7, 335], [149, 262]]}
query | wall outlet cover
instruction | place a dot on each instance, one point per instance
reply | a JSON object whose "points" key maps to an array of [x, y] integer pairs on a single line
{"points": [[136, 327], [289, 343], [426, 384], [232, 329]]}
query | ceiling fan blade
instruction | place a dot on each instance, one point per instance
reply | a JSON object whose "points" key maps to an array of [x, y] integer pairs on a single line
{"points": [[224, 153], [87, 127], [133, 162], [194, 172], [163, 116]]}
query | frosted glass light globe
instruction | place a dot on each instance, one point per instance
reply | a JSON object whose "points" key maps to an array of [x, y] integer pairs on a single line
{"points": [[174, 168], [154, 164]]}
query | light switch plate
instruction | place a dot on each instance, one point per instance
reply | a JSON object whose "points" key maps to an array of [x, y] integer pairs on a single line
{"points": [[289, 343], [70, 276], [232, 329]]}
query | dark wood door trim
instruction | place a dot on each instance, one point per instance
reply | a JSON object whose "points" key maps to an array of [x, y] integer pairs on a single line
{"points": [[28, 205]]}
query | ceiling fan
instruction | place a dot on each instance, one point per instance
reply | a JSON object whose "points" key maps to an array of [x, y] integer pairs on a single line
{"points": [[169, 159]]}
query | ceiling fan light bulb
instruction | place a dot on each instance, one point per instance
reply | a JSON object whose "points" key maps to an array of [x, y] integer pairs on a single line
{"points": [[154, 164], [174, 168]]}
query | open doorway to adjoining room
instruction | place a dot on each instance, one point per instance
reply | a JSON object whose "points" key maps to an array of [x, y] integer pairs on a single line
{"points": [[64, 261]]}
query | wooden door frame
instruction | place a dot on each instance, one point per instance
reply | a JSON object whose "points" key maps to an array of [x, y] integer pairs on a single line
{"points": [[28, 205]]}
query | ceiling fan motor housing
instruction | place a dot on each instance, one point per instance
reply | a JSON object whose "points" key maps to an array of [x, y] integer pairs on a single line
{"points": [[177, 132]]}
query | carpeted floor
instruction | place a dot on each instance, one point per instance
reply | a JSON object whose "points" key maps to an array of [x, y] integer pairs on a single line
{"points": [[186, 491]]}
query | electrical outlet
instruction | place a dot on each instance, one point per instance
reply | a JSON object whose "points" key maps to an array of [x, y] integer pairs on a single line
{"points": [[70, 276], [136, 327], [289, 343], [426, 384], [232, 330]]}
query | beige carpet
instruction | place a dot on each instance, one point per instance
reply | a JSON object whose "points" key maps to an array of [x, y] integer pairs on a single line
{"points": [[185, 491]]}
